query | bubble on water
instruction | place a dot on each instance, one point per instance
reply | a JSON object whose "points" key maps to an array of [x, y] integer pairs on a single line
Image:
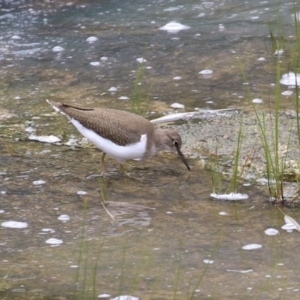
{"points": [[64, 218], [58, 49], [54, 241], [123, 98], [257, 101], [230, 196], [223, 213], [45, 139], [50, 230], [221, 27], [287, 93], [279, 52], [39, 182], [95, 63], [177, 105], [252, 246], [92, 39], [174, 27], [207, 261], [141, 60], [14, 224], [206, 72], [15, 37], [292, 79], [81, 193], [174, 8], [29, 129], [112, 89], [125, 297], [271, 231]]}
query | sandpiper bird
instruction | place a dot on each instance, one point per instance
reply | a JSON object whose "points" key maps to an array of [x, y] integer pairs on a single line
{"points": [[120, 134]]}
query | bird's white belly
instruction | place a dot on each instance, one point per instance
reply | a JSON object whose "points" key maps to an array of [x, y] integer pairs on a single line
{"points": [[120, 153]]}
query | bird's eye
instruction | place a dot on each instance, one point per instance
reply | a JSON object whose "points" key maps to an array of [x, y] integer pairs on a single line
{"points": [[175, 143]]}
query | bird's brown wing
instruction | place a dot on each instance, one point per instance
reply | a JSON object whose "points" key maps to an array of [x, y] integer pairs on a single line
{"points": [[119, 126]]}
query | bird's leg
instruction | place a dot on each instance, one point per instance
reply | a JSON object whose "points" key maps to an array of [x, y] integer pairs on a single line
{"points": [[122, 169], [102, 174], [102, 163]]}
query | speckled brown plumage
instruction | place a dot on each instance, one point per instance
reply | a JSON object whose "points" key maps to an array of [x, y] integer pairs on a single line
{"points": [[109, 123]]}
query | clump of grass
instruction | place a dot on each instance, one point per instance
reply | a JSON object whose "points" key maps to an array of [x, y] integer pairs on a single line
{"points": [[216, 172], [235, 174], [139, 102], [269, 128], [216, 168]]}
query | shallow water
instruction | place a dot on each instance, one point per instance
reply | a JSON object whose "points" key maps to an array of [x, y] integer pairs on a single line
{"points": [[169, 240]]}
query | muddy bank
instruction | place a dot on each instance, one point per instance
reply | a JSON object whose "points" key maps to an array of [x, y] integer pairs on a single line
{"points": [[217, 135]]}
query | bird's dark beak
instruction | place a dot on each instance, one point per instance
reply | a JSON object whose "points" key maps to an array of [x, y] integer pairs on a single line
{"points": [[182, 157]]}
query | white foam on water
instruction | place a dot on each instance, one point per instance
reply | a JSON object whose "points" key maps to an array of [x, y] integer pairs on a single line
{"points": [[141, 60], [104, 58], [290, 79], [50, 230], [221, 27], [223, 213], [279, 52], [81, 193], [112, 89], [58, 49], [15, 37], [91, 39], [95, 63], [123, 98], [207, 261], [174, 8], [29, 129], [206, 72], [2, 211], [125, 297], [64, 218], [54, 241], [177, 105], [252, 247], [257, 101], [271, 231], [240, 271], [287, 93], [45, 139], [39, 182], [261, 59], [177, 78], [174, 27], [230, 196], [14, 224]]}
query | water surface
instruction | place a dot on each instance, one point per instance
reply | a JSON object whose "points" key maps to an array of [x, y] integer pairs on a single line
{"points": [[169, 240]]}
